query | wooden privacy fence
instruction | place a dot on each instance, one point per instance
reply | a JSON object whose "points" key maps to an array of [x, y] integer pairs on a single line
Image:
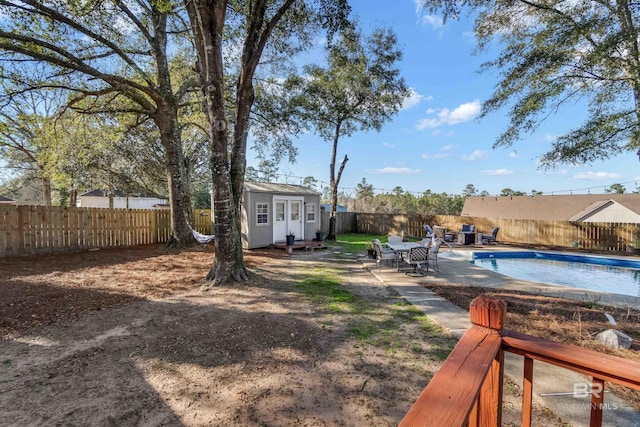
{"points": [[614, 237], [345, 222], [31, 230]]}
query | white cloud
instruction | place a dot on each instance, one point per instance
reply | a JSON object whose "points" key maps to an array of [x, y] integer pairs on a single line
{"points": [[476, 155], [442, 154], [597, 176], [388, 145], [433, 21], [392, 170], [413, 99], [496, 172], [513, 154], [435, 156], [462, 113], [428, 124], [550, 137]]}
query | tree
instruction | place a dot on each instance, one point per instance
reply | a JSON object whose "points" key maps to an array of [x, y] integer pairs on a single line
{"points": [[364, 190], [360, 89], [251, 174], [113, 57], [26, 133], [469, 191], [556, 53], [257, 22], [267, 171], [510, 192], [616, 189], [310, 182]]}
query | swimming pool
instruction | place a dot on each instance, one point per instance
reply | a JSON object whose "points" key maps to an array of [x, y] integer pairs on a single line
{"points": [[611, 275]]}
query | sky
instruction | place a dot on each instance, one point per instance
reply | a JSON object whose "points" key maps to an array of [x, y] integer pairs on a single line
{"points": [[436, 141]]}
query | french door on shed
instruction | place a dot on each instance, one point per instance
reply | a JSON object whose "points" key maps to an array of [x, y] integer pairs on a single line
{"points": [[288, 218]]}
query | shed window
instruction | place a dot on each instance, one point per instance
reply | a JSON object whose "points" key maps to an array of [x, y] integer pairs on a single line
{"points": [[262, 213], [311, 212]]}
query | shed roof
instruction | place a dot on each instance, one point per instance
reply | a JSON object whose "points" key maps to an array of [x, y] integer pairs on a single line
{"points": [[550, 208], [271, 187]]}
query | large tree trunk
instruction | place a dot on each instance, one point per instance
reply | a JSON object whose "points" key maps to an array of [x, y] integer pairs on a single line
{"points": [[207, 21], [46, 190], [333, 184], [166, 118], [178, 183]]}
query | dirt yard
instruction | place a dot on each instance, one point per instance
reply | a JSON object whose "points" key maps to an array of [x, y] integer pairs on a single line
{"points": [[124, 337]]}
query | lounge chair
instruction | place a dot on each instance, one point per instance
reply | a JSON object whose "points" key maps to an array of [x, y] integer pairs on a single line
{"points": [[441, 235], [489, 238], [428, 231], [417, 257]]}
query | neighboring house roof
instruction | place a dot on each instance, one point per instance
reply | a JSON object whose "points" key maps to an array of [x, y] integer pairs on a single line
{"points": [[118, 193], [575, 207], [5, 199], [270, 187]]}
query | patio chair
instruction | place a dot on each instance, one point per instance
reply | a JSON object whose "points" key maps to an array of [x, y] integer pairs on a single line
{"points": [[417, 257], [433, 254], [384, 254], [489, 238], [428, 231], [441, 235], [467, 228], [394, 239]]}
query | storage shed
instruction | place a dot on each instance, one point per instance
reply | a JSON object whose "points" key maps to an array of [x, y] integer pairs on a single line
{"points": [[271, 211]]}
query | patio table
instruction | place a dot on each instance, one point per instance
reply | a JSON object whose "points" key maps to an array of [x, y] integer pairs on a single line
{"points": [[402, 247]]}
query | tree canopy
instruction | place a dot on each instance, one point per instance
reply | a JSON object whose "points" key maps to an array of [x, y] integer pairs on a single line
{"points": [[360, 89], [559, 52], [111, 57]]}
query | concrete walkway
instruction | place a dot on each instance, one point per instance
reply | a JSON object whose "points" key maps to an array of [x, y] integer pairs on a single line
{"points": [[552, 386]]}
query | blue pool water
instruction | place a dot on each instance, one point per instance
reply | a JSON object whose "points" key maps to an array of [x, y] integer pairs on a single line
{"points": [[619, 276]]}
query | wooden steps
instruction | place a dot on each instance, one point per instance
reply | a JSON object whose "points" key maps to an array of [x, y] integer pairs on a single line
{"points": [[307, 245]]}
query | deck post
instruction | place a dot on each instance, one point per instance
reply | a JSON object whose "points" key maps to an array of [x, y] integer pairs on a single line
{"points": [[489, 313]]}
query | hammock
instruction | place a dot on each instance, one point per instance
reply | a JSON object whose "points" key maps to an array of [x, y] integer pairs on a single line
{"points": [[205, 239]]}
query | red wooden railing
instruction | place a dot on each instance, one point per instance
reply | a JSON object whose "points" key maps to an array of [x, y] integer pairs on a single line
{"points": [[467, 390]]}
